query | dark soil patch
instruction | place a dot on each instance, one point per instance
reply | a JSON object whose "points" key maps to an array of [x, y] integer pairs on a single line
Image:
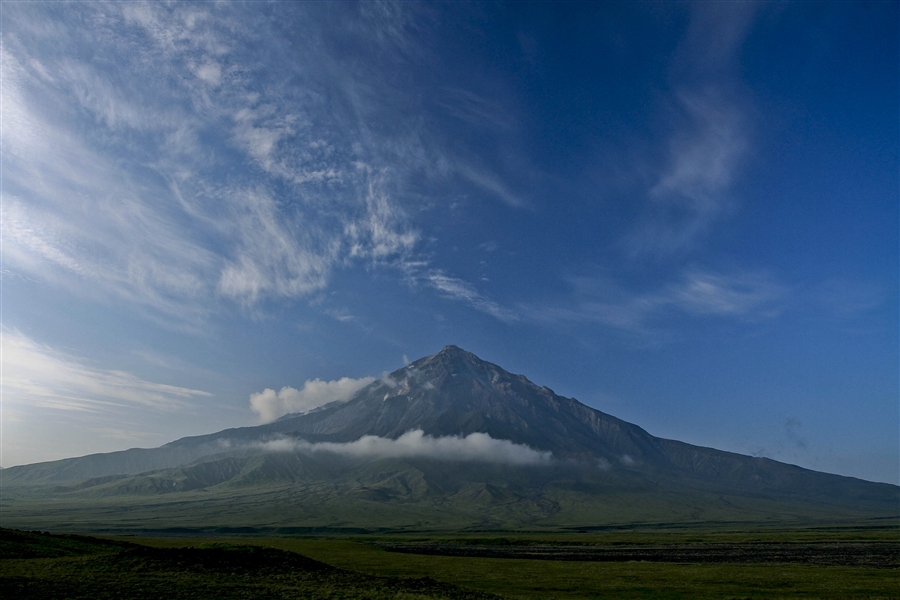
{"points": [[856, 554]]}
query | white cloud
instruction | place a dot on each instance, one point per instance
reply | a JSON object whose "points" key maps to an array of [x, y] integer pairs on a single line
{"points": [[125, 254], [37, 375], [389, 381], [270, 405], [210, 72], [475, 447]]}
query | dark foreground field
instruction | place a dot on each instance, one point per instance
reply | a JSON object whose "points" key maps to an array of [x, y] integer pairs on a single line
{"points": [[36, 565], [847, 562]]}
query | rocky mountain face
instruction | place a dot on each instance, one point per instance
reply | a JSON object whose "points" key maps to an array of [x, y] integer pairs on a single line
{"points": [[594, 460], [455, 393]]}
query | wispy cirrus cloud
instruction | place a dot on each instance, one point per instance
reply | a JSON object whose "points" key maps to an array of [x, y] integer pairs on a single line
{"points": [[126, 254], [373, 235], [709, 137], [748, 295], [694, 188], [270, 253], [846, 297], [490, 183], [458, 289], [164, 218], [58, 404], [36, 375], [212, 168], [696, 294]]}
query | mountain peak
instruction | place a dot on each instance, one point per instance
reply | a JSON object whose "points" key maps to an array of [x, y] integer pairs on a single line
{"points": [[452, 349], [454, 360], [451, 355]]}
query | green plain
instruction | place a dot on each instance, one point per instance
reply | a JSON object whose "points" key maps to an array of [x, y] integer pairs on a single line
{"points": [[519, 578]]}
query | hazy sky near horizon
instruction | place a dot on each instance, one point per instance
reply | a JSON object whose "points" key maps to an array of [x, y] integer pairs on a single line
{"points": [[682, 214]]}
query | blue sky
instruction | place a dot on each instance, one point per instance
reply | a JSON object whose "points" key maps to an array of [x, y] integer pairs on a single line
{"points": [[682, 214]]}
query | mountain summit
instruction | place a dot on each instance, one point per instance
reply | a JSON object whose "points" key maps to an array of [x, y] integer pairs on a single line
{"points": [[449, 441]]}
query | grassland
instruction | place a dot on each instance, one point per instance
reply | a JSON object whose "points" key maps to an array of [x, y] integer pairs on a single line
{"points": [[43, 566], [35, 565], [570, 579]]}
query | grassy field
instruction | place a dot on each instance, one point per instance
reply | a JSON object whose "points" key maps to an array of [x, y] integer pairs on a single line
{"points": [[824, 562], [45, 566], [528, 578]]}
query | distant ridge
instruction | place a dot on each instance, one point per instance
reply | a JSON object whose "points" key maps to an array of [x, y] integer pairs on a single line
{"points": [[453, 441]]}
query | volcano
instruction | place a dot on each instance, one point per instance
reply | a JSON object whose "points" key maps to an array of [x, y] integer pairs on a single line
{"points": [[447, 442]]}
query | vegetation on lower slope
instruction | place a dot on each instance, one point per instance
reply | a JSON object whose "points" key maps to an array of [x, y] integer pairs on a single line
{"points": [[292, 492]]}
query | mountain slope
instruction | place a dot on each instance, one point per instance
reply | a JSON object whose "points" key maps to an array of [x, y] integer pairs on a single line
{"points": [[309, 470], [456, 393]]}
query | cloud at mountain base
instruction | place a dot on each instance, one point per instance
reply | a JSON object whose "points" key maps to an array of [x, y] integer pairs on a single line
{"points": [[475, 447]]}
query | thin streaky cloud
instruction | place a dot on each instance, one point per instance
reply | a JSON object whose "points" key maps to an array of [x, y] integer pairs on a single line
{"points": [[475, 109], [491, 183], [36, 375], [846, 297], [746, 295], [694, 188], [272, 255], [125, 435], [703, 157], [696, 294], [710, 138], [458, 289], [713, 41]]}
